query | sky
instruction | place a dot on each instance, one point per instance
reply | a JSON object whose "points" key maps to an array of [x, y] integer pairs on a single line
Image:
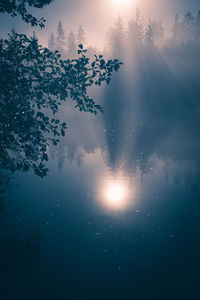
{"points": [[96, 16]]}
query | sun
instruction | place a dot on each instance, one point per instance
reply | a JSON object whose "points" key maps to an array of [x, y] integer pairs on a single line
{"points": [[121, 2]]}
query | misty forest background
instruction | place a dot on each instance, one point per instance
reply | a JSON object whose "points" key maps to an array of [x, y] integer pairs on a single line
{"points": [[151, 112], [151, 108]]}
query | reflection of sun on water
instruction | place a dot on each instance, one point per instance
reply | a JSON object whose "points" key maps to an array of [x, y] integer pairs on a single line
{"points": [[116, 193]]}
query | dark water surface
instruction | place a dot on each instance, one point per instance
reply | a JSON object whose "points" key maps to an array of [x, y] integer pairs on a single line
{"points": [[147, 250], [63, 237]]}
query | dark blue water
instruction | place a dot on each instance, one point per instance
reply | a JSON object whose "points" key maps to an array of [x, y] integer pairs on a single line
{"points": [[62, 237], [148, 250]]}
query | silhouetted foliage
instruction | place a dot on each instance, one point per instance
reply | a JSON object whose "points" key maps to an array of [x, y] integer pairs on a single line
{"points": [[19, 7], [33, 83], [68, 44]]}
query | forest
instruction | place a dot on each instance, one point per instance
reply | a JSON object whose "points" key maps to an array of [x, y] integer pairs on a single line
{"points": [[134, 33], [99, 158], [152, 102]]}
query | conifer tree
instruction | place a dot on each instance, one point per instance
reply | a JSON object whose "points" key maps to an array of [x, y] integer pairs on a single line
{"points": [[176, 29], [51, 42], [157, 32], [136, 30], [189, 27], [197, 28], [71, 45], [80, 37], [60, 39], [149, 35], [117, 39]]}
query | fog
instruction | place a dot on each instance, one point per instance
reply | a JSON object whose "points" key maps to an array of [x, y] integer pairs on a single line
{"points": [[151, 107], [75, 245]]}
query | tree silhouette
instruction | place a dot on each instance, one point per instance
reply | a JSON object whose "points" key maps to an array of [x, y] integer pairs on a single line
{"points": [[16, 252], [60, 39], [187, 29], [71, 45], [197, 28], [80, 37], [176, 29], [189, 26], [33, 83], [116, 38], [149, 35], [18, 7], [52, 43], [136, 30], [158, 32]]}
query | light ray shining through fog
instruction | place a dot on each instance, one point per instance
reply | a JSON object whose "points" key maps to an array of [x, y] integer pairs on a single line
{"points": [[117, 216], [147, 102]]}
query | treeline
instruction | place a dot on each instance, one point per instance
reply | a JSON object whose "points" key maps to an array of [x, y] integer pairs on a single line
{"points": [[152, 107], [187, 29], [67, 44], [136, 33], [139, 33]]}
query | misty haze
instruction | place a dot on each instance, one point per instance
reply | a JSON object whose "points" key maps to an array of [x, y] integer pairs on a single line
{"points": [[99, 150]]}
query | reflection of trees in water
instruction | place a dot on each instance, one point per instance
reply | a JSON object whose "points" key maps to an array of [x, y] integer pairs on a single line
{"points": [[151, 108], [6, 179], [34, 81], [1, 205], [157, 107], [183, 172], [18, 253]]}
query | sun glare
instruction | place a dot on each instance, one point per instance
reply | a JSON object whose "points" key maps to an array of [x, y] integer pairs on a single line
{"points": [[121, 2], [116, 193]]}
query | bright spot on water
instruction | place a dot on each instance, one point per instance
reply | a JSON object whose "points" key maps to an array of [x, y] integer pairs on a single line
{"points": [[116, 192]]}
